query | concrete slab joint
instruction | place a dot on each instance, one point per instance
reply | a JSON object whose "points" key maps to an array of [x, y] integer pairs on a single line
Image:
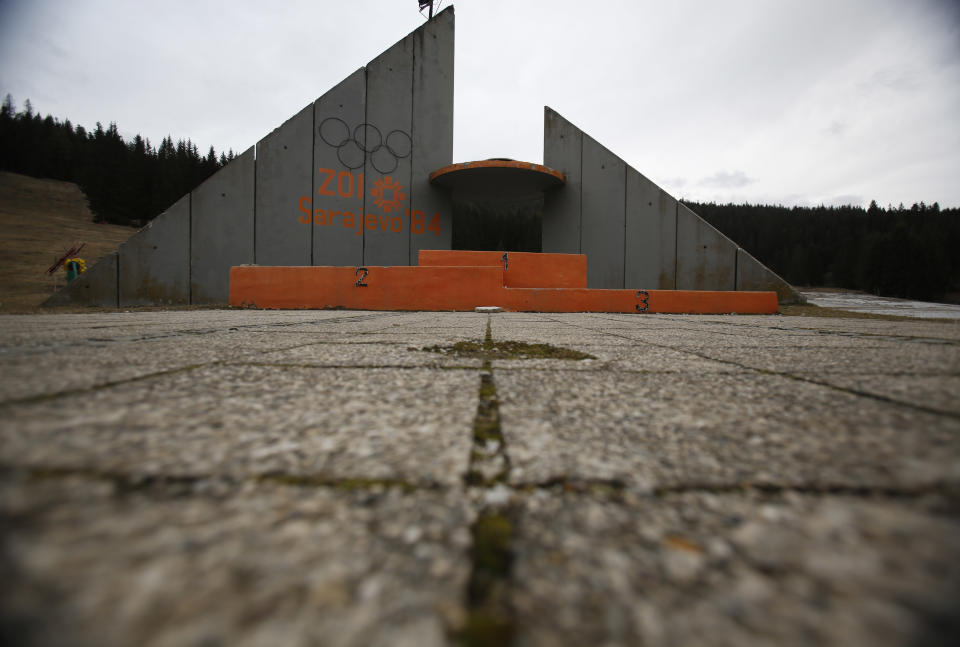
{"points": [[419, 480]]}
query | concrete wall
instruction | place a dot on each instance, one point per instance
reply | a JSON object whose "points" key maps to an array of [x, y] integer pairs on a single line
{"points": [[602, 214], [634, 234], [221, 233], [706, 259], [432, 145], [650, 244], [284, 173], [563, 151], [389, 117], [754, 275], [95, 287], [345, 181], [155, 262], [337, 196]]}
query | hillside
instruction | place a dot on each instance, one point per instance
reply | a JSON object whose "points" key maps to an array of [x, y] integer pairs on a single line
{"points": [[39, 221]]}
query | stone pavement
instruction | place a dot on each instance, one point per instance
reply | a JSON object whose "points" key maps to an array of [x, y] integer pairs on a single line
{"points": [[230, 477]]}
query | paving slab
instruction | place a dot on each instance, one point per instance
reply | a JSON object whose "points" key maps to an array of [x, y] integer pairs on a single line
{"points": [[34, 371], [666, 429], [204, 563], [406, 424], [21, 331], [635, 357], [734, 569], [885, 357], [939, 392], [364, 354], [299, 477]]}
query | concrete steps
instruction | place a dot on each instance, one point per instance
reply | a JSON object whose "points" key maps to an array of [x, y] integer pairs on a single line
{"points": [[464, 280]]}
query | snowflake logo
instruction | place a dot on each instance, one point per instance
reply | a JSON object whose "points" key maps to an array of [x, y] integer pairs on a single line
{"points": [[380, 190]]}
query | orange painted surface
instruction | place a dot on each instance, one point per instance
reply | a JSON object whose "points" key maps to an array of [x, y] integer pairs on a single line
{"points": [[384, 288], [524, 269], [527, 166], [638, 301], [435, 288]]}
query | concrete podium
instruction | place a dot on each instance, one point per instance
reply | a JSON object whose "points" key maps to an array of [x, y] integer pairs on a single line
{"points": [[464, 280]]}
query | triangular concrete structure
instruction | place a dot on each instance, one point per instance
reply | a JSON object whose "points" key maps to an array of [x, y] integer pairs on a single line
{"points": [[302, 195], [636, 234], [346, 182]]}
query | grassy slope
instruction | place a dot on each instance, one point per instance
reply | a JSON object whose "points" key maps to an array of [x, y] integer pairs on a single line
{"points": [[39, 221]]}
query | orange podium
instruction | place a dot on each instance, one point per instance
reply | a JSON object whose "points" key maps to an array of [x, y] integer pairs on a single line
{"points": [[464, 280]]}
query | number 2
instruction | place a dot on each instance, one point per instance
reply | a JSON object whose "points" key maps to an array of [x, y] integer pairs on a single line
{"points": [[360, 283]]}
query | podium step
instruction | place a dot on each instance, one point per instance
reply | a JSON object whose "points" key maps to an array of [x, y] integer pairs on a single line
{"points": [[463, 288], [521, 269]]}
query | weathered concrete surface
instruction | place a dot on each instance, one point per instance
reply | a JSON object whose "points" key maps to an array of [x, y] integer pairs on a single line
{"points": [[246, 477], [221, 230], [651, 235], [734, 568], [562, 151], [602, 205], [386, 237], [337, 229], [95, 287], [240, 563], [634, 233], [862, 302], [432, 130], [754, 275], [706, 259], [155, 262], [285, 177]]}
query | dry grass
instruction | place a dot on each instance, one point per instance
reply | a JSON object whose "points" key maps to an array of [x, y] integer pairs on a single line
{"points": [[39, 221]]}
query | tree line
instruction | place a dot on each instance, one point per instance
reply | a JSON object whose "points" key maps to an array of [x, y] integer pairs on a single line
{"points": [[126, 183], [893, 251]]}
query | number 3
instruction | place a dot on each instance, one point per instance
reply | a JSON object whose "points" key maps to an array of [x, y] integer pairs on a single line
{"points": [[644, 297]]}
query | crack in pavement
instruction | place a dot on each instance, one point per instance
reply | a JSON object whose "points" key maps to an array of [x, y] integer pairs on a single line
{"points": [[783, 374], [9, 350], [490, 618], [234, 361]]}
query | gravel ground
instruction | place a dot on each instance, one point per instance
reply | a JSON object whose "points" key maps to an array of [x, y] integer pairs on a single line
{"points": [[209, 477]]}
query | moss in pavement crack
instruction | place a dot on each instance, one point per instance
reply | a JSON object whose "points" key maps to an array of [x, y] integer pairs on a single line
{"points": [[490, 350], [489, 621]]}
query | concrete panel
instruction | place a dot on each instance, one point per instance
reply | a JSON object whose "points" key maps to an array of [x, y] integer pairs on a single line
{"points": [[155, 262], [221, 229], [754, 275], [386, 238], [284, 176], [706, 259], [651, 235], [602, 221], [95, 287], [337, 197], [563, 151], [432, 133]]}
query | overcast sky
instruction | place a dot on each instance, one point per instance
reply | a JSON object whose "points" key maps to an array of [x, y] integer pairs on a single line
{"points": [[779, 101]]}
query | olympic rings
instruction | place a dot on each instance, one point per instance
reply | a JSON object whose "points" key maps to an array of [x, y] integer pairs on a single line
{"points": [[365, 141]]}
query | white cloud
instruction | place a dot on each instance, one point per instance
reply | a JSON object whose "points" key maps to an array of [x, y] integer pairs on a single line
{"points": [[807, 98], [726, 180]]}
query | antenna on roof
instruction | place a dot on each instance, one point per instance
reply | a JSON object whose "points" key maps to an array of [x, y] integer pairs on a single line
{"points": [[424, 4]]}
